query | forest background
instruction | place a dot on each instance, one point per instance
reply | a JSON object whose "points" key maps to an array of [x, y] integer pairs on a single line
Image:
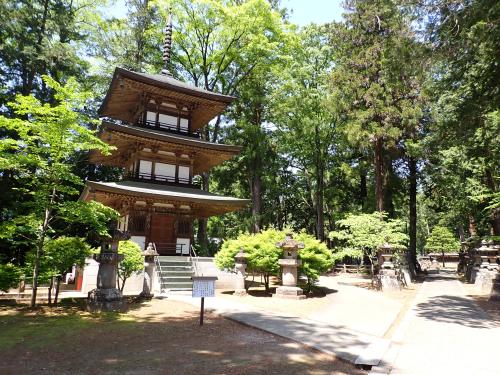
{"points": [[393, 108]]}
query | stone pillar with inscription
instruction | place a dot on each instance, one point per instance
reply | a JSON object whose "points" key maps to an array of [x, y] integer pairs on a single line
{"points": [[289, 265], [107, 297]]}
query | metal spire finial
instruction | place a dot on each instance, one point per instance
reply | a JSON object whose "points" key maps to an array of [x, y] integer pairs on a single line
{"points": [[167, 46]]}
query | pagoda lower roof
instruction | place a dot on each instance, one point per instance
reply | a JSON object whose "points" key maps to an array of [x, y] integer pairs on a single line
{"points": [[128, 87], [129, 137], [202, 203]]}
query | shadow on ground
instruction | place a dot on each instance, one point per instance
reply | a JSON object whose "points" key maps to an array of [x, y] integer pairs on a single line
{"points": [[161, 337], [335, 339], [455, 310]]}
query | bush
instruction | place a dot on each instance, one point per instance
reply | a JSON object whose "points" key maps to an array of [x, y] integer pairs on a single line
{"points": [[263, 255], [133, 261], [9, 276], [363, 234], [316, 258]]}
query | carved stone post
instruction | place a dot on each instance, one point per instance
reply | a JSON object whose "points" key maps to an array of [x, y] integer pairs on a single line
{"points": [[149, 271], [387, 273], [289, 264], [486, 265], [106, 297], [240, 263]]}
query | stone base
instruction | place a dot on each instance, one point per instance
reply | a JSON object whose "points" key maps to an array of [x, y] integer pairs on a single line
{"points": [[473, 274], [495, 295], [106, 300], [289, 292], [240, 293], [146, 295], [406, 275], [389, 281], [495, 288], [485, 280]]}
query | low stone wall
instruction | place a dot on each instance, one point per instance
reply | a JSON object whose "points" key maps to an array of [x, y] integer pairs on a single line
{"points": [[133, 285], [225, 280]]}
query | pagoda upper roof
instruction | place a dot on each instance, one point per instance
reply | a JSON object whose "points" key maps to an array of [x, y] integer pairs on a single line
{"points": [[204, 204], [126, 137], [128, 89]]}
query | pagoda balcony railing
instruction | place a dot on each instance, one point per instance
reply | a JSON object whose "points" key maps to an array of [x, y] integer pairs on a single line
{"points": [[168, 128], [162, 179]]}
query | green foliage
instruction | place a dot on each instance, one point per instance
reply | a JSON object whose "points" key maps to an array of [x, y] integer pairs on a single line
{"points": [[9, 276], [316, 257], [51, 47], [442, 239], [133, 261], [39, 149], [261, 249], [62, 253], [363, 234], [463, 145], [263, 255]]}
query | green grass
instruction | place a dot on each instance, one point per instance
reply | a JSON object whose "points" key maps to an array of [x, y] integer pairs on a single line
{"points": [[46, 328]]}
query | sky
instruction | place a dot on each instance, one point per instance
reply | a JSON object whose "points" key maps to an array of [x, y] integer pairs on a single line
{"points": [[302, 12]]}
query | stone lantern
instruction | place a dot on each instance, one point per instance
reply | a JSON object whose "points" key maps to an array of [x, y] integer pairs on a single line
{"points": [[107, 297], [495, 282], [149, 271], [485, 269], [480, 259], [387, 272], [240, 263], [289, 264], [386, 253]]}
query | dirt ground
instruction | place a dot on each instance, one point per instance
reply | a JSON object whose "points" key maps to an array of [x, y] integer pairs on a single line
{"points": [[157, 337], [492, 308], [320, 299]]}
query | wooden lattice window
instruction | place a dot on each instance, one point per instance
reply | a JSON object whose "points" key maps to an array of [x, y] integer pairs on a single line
{"points": [[183, 228], [137, 222]]}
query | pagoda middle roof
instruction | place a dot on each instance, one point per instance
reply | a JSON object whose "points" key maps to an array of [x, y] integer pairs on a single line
{"points": [[125, 137], [128, 88]]}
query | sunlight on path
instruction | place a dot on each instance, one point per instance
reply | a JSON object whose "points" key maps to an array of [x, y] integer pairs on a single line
{"points": [[446, 333]]}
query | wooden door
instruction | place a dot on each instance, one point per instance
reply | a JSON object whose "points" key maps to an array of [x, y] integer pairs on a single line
{"points": [[162, 234]]}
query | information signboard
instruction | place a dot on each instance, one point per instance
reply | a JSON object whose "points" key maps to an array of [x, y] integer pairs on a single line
{"points": [[203, 287]]}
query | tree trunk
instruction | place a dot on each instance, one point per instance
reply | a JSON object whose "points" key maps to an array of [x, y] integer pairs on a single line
{"points": [[256, 200], [39, 247], [123, 285], [412, 166], [320, 220], [472, 226], [378, 163], [58, 283], [266, 282], [363, 190], [38, 48], [49, 296], [495, 221], [461, 233]]}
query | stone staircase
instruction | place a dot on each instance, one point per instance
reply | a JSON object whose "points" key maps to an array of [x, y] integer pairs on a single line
{"points": [[175, 273]]}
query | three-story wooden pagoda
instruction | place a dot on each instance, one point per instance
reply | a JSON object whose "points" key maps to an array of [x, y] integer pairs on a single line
{"points": [[154, 121]]}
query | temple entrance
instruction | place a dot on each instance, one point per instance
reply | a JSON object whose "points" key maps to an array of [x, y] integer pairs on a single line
{"points": [[162, 234]]}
